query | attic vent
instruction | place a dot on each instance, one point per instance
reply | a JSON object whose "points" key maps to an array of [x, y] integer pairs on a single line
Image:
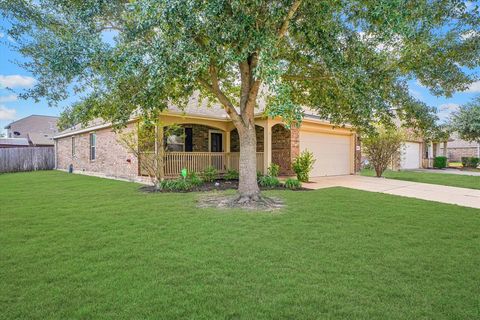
{"points": [[16, 133]]}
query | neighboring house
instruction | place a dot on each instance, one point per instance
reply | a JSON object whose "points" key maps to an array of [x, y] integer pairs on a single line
{"points": [[209, 138], [13, 142], [458, 148], [412, 152], [39, 130]]}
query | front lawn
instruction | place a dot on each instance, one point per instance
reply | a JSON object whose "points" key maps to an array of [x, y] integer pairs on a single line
{"points": [[446, 179], [77, 247]]}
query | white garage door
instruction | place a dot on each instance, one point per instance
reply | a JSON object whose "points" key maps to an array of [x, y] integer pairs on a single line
{"points": [[410, 158], [332, 153]]}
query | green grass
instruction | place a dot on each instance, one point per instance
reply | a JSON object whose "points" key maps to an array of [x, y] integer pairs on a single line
{"points": [[446, 179], [77, 247]]}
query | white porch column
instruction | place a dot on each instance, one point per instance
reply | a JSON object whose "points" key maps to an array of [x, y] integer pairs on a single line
{"points": [[267, 146]]}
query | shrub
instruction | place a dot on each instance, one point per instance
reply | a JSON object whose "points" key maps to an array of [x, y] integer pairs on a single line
{"points": [[259, 175], [381, 147], [194, 179], [268, 182], [470, 162], [303, 165], [440, 162], [292, 184], [231, 174], [209, 174], [179, 184], [273, 170], [474, 162]]}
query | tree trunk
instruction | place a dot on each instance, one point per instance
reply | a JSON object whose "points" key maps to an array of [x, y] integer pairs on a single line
{"points": [[248, 186]]}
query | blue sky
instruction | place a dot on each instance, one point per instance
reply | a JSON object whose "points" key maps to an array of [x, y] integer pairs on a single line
{"points": [[13, 108]]}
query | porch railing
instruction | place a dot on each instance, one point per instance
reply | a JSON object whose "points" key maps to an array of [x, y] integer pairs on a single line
{"points": [[197, 162]]}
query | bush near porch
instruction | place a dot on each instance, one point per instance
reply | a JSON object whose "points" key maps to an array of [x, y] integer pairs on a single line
{"points": [[75, 246]]}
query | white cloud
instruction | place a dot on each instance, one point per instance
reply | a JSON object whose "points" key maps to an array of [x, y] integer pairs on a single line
{"points": [[445, 110], [474, 87], [449, 107], [416, 94], [14, 81], [9, 98], [2, 34], [7, 114]]}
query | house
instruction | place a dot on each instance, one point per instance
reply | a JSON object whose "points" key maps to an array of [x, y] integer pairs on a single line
{"points": [[458, 148], [209, 138], [39, 130]]}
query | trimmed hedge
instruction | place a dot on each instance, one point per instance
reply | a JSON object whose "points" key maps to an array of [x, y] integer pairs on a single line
{"points": [[440, 162], [470, 162]]}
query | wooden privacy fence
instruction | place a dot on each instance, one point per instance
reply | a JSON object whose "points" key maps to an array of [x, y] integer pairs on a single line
{"points": [[199, 161], [26, 159]]}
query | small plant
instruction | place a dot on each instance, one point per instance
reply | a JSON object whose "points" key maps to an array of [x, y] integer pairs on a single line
{"points": [[231, 174], [210, 174], [259, 175], [303, 165], [292, 184], [194, 179], [470, 162], [440, 162], [268, 182], [273, 170], [177, 185]]}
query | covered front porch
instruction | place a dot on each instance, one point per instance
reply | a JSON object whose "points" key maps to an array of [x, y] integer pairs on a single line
{"points": [[199, 143]]}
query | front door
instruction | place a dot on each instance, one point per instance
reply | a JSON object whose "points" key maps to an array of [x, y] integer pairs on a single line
{"points": [[216, 142]]}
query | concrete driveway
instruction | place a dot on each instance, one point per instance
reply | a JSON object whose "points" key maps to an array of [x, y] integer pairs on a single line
{"points": [[453, 195]]}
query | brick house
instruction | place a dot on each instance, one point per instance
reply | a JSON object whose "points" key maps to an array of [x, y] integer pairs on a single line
{"points": [[458, 148], [209, 138], [38, 130]]}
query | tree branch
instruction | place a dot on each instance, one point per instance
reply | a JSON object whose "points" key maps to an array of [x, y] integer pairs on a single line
{"points": [[224, 100], [284, 27]]}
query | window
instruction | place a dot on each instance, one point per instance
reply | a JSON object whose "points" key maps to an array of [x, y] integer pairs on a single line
{"points": [[175, 140], [73, 146], [93, 146]]}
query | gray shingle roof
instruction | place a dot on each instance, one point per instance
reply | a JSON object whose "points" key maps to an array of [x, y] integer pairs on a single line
{"points": [[14, 141]]}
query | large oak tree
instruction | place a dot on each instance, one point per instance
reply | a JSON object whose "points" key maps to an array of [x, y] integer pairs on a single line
{"points": [[347, 59]]}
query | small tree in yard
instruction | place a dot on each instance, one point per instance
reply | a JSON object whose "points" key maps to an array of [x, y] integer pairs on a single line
{"points": [[348, 60], [147, 143], [466, 121], [382, 147]]}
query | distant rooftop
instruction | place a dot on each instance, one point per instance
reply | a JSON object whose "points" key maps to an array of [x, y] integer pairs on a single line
{"points": [[14, 141]]}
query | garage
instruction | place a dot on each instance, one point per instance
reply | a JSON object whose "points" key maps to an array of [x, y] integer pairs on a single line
{"points": [[333, 153], [410, 158]]}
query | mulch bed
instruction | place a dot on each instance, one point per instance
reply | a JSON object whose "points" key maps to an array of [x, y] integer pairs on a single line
{"points": [[218, 185]]}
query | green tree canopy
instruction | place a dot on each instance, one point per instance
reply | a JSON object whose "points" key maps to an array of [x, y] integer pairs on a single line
{"points": [[349, 60], [466, 121]]}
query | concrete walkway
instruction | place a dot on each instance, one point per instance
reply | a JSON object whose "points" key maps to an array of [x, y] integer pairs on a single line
{"points": [[453, 195]]}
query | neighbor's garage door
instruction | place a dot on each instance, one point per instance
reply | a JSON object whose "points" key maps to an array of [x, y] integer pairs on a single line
{"points": [[410, 155], [332, 152]]}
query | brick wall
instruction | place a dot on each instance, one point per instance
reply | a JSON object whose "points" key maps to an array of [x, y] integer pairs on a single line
{"points": [[358, 154], [199, 137], [112, 159], [235, 141], [285, 147], [456, 154]]}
